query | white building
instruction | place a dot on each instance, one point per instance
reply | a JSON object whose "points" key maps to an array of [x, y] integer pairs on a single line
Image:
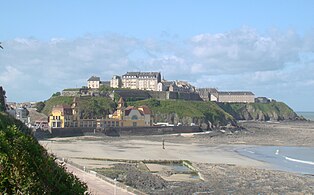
{"points": [[116, 82], [141, 80], [93, 82]]}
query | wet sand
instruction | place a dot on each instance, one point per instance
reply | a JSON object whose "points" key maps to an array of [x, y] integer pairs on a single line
{"points": [[214, 154]]}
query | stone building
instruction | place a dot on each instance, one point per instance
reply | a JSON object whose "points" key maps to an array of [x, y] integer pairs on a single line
{"points": [[116, 82], [141, 80], [208, 94], [236, 96], [93, 82], [175, 86], [22, 114], [2, 100]]}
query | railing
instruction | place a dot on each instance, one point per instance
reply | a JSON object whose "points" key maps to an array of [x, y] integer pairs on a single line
{"points": [[106, 179]]}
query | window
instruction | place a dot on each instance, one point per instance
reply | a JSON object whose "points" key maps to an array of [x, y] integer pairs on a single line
{"points": [[134, 117], [134, 124]]}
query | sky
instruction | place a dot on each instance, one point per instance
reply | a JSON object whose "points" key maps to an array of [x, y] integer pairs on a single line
{"points": [[263, 46]]}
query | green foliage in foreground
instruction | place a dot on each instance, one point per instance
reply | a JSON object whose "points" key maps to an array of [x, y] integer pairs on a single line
{"points": [[195, 109], [27, 168]]}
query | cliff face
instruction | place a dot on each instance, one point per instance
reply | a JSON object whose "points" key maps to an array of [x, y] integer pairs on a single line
{"points": [[274, 111]]}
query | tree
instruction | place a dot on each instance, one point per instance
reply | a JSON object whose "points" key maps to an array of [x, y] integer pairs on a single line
{"points": [[40, 106], [56, 94]]}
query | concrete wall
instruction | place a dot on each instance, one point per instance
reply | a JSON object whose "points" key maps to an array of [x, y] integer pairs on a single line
{"points": [[166, 95], [123, 131]]}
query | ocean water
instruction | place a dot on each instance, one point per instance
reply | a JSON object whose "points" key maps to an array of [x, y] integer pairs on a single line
{"points": [[291, 159], [307, 115]]}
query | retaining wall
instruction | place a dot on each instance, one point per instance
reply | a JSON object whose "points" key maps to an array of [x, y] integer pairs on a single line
{"points": [[123, 131]]}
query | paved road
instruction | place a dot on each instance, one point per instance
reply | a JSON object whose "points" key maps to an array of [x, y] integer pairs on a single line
{"points": [[96, 186]]}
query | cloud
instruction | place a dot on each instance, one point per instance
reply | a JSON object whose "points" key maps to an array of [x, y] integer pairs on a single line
{"points": [[241, 59]]}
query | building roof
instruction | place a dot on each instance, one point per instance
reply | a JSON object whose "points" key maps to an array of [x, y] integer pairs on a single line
{"points": [[138, 74], [235, 93], [128, 111], [168, 83], [94, 78], [145, 109]]}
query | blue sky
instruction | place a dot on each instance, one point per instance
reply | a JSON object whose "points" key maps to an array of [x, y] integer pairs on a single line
{"points": [[263, 46]]}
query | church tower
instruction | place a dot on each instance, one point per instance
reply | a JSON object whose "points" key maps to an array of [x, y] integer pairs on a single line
{"points": [[120, 108]]}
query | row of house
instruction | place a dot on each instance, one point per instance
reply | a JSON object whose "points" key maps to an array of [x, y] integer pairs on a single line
{"points": [[212, 94], [63, 116], [152, 81]]}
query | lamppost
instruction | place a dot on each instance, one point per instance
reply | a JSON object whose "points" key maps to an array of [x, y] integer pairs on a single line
{"points": [[115, 186]]}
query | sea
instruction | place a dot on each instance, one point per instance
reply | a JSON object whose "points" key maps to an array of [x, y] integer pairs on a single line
{"points": [[292, 159], [307, 115]]}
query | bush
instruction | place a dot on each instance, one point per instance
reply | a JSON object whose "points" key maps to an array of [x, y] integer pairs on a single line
{"points": [[27, 168]]}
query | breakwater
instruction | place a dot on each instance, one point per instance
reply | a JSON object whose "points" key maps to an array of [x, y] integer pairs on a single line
{"points": [[118, 131]]}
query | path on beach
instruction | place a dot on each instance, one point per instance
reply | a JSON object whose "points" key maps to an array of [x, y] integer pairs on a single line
{"points": [[96, 186]]}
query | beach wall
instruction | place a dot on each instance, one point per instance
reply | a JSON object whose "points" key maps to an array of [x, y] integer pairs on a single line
{"points": [[123, 131]]}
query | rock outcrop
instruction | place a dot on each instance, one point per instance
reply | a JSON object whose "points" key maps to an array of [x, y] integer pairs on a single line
{"points": [[274, 111]]}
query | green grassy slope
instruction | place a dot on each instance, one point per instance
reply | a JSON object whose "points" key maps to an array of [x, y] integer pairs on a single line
{"points": [[27, 168], [206, 111]]}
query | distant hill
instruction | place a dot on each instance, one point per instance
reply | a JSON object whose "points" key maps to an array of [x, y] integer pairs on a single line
{"points": [[27, 168]]}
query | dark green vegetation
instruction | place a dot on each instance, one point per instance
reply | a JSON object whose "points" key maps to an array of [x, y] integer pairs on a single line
{"points": [[27, 168], [90, 107], [57, 100], [260, 111]]}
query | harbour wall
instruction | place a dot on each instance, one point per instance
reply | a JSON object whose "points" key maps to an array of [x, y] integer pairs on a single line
{"points": [[118, 131]]}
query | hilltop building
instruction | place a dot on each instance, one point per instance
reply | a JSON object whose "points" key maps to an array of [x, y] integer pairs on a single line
{"points": [[236, 97], [141, 80], [175, 86], [208, 94], [116, 82], [93, 82]]}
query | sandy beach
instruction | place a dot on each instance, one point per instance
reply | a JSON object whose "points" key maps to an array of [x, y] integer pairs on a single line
{"points": [[214, 155]]}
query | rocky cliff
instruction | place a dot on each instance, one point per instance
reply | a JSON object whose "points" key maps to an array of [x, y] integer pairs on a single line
{"points": [[274, 111]]}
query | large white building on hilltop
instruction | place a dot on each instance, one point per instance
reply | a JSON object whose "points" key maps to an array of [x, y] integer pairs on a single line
{"points": [[141, 80]]}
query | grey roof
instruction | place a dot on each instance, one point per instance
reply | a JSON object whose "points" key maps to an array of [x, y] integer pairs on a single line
{"points": [[235, 93], [94, 78], [168, 83], [137, 74]]}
